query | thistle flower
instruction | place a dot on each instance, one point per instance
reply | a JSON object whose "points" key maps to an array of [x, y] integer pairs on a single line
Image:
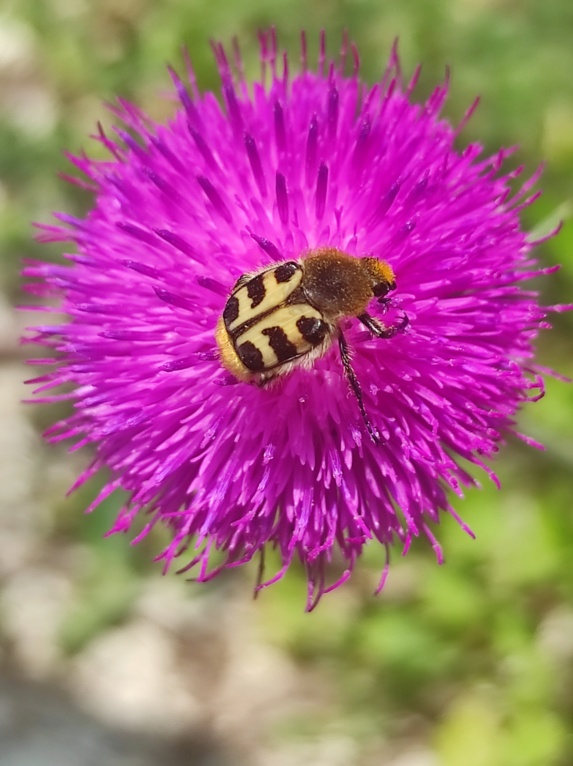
{"points": [[271, 173]]}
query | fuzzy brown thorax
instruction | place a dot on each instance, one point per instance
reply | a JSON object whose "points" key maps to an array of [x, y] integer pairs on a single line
{"points": [[342, 285]]}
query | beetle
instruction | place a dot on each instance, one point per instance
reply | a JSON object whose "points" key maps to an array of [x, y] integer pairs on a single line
{"points": [[288, 315]]}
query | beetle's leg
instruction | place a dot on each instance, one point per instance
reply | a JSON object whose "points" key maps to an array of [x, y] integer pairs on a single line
{"points": [[355, 386], [262, 382], [379, 330], [385, 303]]}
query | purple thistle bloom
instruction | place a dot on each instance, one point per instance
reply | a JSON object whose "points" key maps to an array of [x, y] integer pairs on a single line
{"points": [[290, 165]]}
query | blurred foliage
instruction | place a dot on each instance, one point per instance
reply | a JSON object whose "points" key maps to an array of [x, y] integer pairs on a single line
{"points": [[473, 659]]}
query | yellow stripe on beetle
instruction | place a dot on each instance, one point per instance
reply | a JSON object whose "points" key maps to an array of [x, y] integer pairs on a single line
{"points": [[262, 293], [284, 318]]}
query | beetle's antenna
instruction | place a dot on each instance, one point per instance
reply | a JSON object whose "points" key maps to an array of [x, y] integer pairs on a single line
{"points": [[355, 385]]}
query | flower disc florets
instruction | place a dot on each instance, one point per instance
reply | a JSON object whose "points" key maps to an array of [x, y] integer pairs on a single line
{"points": [[294, 163]]}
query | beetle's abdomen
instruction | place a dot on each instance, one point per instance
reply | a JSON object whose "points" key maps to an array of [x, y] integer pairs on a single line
{"points": [[266, 323], [254, 297], [281, 336]]}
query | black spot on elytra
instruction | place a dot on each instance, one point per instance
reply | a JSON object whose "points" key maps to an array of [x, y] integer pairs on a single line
{"points": [[256, 290], [312, 329], [280, 344], [231, 311], [286, 271], [250, 356]]}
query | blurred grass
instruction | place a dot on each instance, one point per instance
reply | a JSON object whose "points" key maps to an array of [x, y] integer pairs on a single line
{"points": [[467, 658]]}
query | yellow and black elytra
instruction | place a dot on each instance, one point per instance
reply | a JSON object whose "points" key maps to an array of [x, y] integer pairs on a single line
{"points": [[288, 315]]}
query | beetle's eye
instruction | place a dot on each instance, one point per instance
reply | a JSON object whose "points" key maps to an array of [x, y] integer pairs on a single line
{"points": [[383, 288]]}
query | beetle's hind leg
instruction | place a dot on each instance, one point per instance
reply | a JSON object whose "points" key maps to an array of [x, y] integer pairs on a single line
{"points": [[355, 386], [381, 331]]}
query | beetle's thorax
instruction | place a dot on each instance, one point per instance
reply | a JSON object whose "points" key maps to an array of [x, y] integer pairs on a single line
{"points": [[336, 284]]}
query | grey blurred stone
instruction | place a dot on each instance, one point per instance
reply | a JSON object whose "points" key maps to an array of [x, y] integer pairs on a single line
{"points": [[39, 726]]}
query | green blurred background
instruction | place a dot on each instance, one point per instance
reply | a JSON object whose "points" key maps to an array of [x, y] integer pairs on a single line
{"points": [[466, 664]]}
